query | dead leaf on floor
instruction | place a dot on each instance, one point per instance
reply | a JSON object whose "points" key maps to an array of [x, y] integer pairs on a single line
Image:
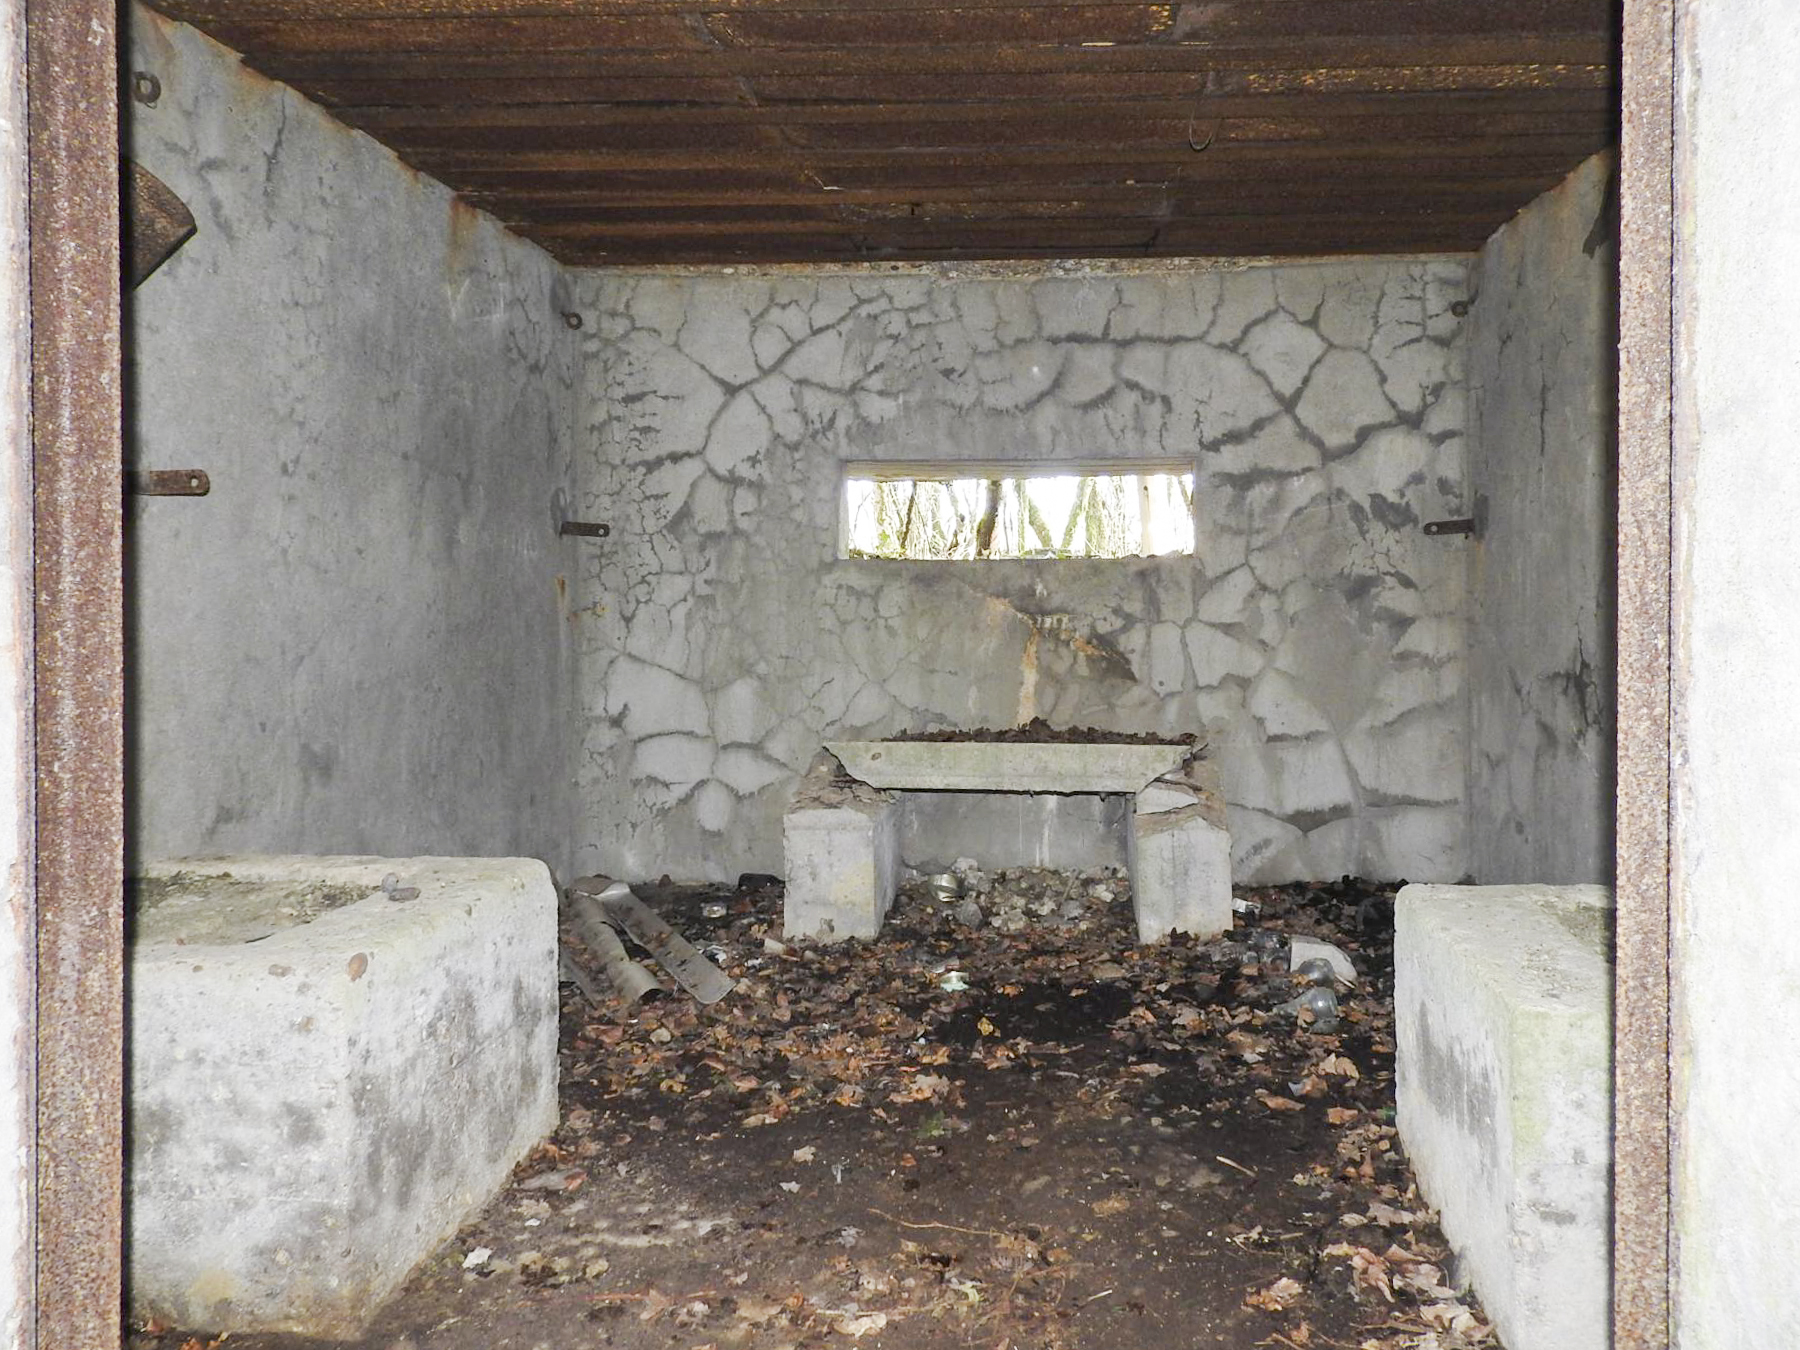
{"points": [[1113, 1204], [1387, 1214], [926, 1087], [1367, 1270], [562, 1179], [1456, 1320], [1278, 1297], [756, 1311], [1275, 1103], [860, 1325], [1341, 1115]]}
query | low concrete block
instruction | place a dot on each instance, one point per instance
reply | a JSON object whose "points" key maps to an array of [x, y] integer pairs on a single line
{"points": [[842, 855], [1180, 863], [326, 1082], [1503, 1002]]}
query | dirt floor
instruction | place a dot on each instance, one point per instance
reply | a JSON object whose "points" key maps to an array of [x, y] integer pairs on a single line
{"points": [[1031, 1133]]}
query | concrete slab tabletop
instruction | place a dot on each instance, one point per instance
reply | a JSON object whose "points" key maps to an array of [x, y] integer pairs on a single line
{"points": [[1002, 766]]}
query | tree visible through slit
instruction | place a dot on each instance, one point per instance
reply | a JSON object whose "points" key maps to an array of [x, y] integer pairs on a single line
{"points": [[991, 517]]}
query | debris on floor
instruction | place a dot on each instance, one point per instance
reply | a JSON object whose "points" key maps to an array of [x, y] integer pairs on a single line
{"points": [[601, 904], [1001, 1124]]}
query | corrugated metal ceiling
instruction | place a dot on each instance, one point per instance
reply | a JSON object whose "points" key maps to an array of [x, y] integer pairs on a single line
{"points": [[664, 131]]}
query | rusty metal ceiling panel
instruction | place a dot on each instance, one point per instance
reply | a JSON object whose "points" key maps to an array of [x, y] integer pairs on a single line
{"points": [[795, 130]]}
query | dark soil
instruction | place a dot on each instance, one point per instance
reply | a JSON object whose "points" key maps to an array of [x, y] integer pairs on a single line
{"points": [[1039, 732], [1092, 1145]]}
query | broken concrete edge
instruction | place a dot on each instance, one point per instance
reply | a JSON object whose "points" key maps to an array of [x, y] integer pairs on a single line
{"points": [[1196, 783], [1503, 1095], [442, 882]]}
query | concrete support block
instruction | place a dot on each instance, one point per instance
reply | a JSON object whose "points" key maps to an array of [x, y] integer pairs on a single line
{"points": [[1179, 853], [1504, 1019], [843, 866], [326, 1082]]}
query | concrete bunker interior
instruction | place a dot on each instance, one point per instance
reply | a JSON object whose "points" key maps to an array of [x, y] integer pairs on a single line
{"points": [[371, 638]]}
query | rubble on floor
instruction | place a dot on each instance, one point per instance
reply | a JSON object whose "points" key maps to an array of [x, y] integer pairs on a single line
{"points": [[1000, 1124]]}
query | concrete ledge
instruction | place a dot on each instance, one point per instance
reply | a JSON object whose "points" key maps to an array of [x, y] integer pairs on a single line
{"points": [[1503, 1006], [317, 1104]]}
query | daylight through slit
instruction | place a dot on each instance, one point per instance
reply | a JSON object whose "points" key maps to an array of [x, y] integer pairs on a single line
{"points": [[990, 514]]}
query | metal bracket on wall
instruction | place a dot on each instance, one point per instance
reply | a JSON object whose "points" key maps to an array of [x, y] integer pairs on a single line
{"points": [[167, 483], [584, 529], [1464, 525], [157, 222]]}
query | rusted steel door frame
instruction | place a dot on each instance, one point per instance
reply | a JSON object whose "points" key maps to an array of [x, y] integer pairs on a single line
{"points": [[79, 682], [1649, 306], [18, 924], [72, 109]]}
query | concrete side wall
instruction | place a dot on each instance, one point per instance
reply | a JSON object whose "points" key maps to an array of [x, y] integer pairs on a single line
{"points": [[1317, 636], [1542, 358], [18, 993], [358, 642], [1737, 677]]}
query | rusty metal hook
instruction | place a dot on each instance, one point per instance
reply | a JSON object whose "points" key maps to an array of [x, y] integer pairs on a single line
{"points": [[1200, 96]]}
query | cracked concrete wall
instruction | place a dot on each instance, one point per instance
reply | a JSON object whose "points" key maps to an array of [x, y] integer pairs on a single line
{"points": [[358, 642], [1316, 636], [1542, 360]]}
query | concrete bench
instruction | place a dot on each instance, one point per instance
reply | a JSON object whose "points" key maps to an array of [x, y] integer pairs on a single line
{"points": [[1503, 998], [843, 850]]}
